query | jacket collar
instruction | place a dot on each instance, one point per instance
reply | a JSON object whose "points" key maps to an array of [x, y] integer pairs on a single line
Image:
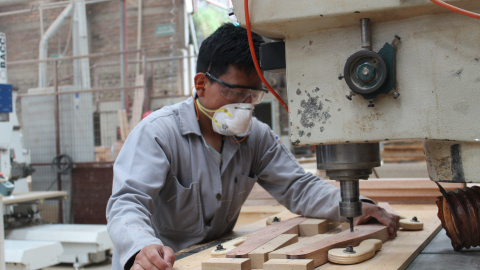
{"points": [[188, 118]]}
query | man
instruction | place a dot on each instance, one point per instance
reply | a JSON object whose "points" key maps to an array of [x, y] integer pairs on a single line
{"points": [[185, 170]]}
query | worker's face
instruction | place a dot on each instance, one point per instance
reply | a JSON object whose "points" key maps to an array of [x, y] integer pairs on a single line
{"points": [[211, 97]]}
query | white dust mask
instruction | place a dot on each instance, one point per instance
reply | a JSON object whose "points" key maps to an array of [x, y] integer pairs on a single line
{"points": [[231, 119]]}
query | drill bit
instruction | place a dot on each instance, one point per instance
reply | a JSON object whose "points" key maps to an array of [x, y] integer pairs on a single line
{"points": [[351, 224]]}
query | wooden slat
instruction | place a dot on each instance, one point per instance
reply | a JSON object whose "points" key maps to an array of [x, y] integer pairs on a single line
{"points": [[312, 226], [138, 100], [319, 251], [264, 235], [226, 264], [33, 196], [260, 254], [395, 254], [303, 242], [400, 252], [279, 264], [228, 246]]}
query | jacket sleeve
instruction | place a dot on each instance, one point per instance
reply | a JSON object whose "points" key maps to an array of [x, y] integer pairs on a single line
{"points": [[282, 176], [139, 174]]}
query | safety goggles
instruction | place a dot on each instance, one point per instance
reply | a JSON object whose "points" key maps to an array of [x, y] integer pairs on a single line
{"points": [[239, 93]]}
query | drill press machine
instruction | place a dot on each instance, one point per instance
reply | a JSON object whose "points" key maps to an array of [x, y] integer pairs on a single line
{"points": [[422, 85]]}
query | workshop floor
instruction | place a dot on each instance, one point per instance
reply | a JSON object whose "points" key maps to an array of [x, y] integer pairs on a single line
{"points": [[439, 255]]}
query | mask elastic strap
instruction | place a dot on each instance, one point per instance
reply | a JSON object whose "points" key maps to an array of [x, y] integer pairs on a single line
{"points": [[205, 110], [248, 133], [195, 103]]}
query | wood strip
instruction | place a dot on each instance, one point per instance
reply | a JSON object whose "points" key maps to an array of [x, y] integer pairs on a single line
{"points": [[264, 235], [318, 251], [120, 123], [138, 101], [313, 226], [396, 254], [226, 264], [227, 246], [260, 254], [400, 252], [279, 264], [282, 252]]}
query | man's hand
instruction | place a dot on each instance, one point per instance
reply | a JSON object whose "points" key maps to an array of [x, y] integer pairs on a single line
{"points": [[154, 257], [373, 211]]}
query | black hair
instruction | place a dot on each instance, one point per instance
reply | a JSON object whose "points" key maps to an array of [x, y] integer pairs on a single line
{"points": [[228, 45]]}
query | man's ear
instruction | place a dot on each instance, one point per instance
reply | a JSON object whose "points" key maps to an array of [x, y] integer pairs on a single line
{"points": [[200, 81]]}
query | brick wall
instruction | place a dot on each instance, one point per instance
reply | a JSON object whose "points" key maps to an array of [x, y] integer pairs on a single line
{"points": [[23, 39]]}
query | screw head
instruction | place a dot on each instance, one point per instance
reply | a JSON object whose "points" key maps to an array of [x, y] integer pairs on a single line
{"points": [[415, 219], [348, 97], [340, 77], [220, 247], [396, 95], [275, 219]]}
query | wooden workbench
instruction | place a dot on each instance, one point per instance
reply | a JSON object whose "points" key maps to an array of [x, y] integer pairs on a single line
{"points": [[395, 254], [33, 196]]}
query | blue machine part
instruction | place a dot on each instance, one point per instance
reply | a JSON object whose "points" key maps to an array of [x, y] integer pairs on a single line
{"points": [[6, 104], [6, 188]]}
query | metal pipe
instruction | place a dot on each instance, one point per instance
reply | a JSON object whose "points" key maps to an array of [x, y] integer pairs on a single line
{"points": [[2, 237], [152, 76], [48, 6], [79, 91], [125, 56], [366, 34], [43, 48], [146, 99], [77, 73], [80, 9], [122, 48], [94, 55], [41, 21], [139, 33], [57, 137], [193, 33]]}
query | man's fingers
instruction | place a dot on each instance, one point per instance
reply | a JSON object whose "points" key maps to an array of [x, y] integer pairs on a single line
{"points": [[136, 267], [143, 264], [168, 255], [155, 258]]}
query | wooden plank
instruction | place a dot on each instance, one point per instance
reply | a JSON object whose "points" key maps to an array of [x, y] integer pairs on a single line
{"points": [[121, 124], [193, 262], [395, 254], [264, 235], [318, 251], [227, 247], [33, 196], [303, 242], [279, 264], [260, 254], [227, 264], [138, 101], [400, 252], [313, 226], [126, 129]]}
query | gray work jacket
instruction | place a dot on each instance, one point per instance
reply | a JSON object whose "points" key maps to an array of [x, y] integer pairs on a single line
{"points": [[165, 179]]}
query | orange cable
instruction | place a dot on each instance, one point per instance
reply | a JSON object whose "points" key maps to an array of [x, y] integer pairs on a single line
{"points": [[254, 56], [457, 9]]}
